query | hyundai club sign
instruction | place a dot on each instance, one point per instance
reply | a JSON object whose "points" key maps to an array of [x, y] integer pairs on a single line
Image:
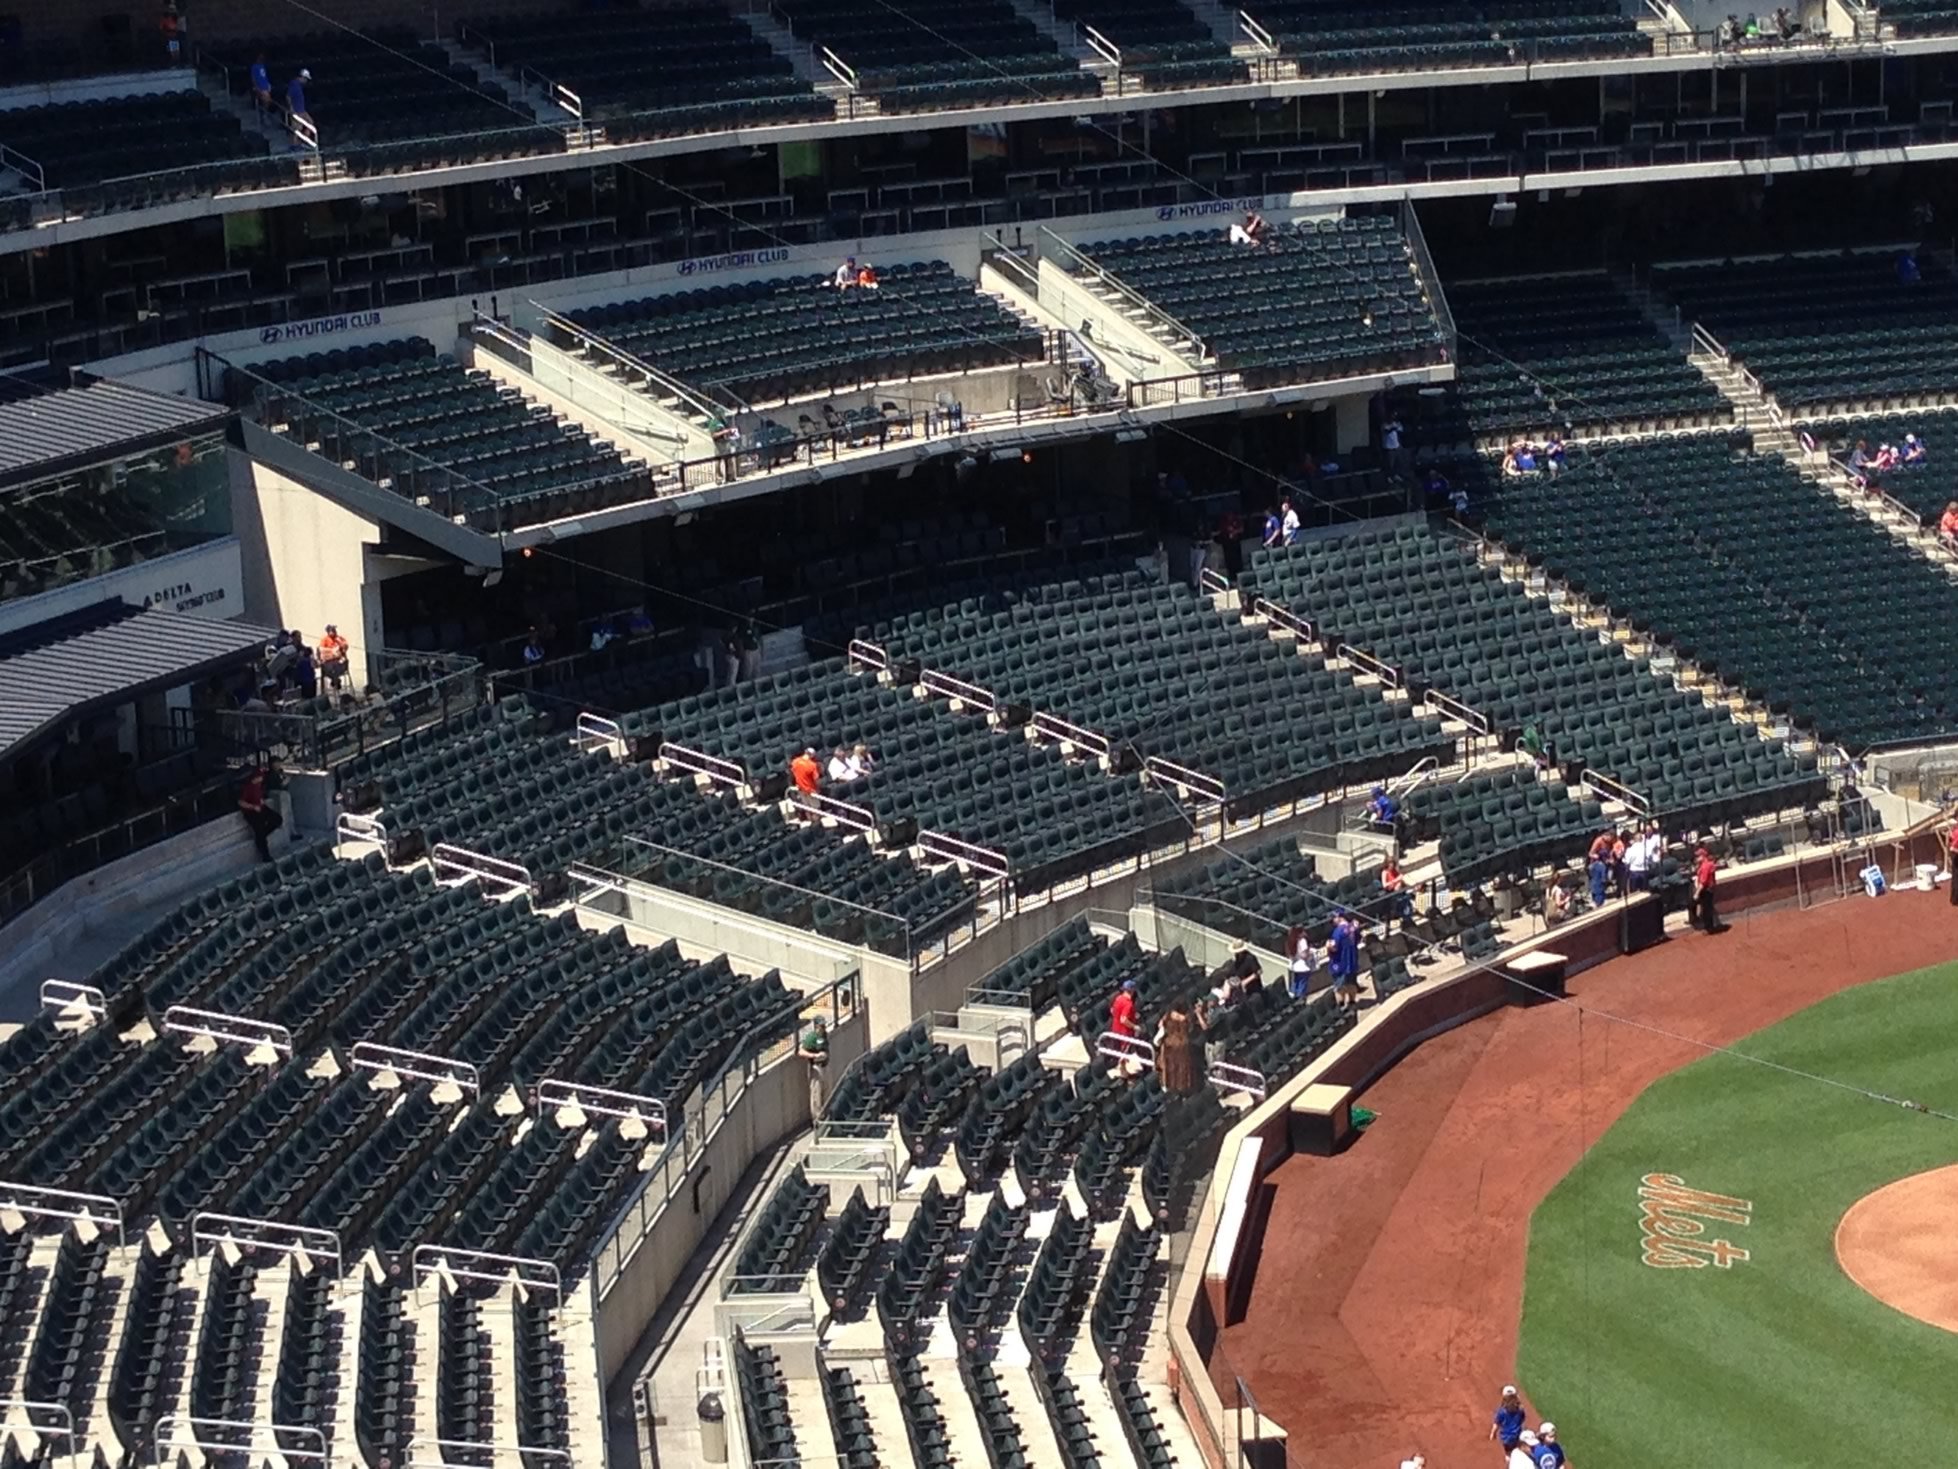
{"points": [[319, 326], [733, 260], [1209, 208]]}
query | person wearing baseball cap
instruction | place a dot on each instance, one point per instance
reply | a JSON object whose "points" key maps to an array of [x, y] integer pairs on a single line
{"points": [[1523, 1456], [1121, 1015], [1508, 1425], [1415, 1461], [1548, 1453]]}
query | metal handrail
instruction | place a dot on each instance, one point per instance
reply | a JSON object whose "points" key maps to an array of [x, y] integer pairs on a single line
{"points": [[724, 772], [870, 654], [1168, 772], [952, 687], [21, 164], [488, 331], [1102, 46], [948, 848], [1128, 292], [1258, 35], [837, 67], [420, 1065], [666, 383], [220, 1027], [1057, 728]]}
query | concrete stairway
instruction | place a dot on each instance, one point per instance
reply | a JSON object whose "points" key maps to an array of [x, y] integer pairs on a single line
{"points": [[1067, 39], [801, 55]]}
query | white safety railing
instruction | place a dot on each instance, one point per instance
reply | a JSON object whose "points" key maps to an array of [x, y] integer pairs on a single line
{"points": [[453, 866], [869, 654], [184, 1434], [46, 1420], [684, 757], [1168, 772], [1256, 34], [1285, 618], [1103, 47], [554, 1094], [596, 732], [947, 848], [415, 1065], [843, 813], [64, 995], [1411, 780], [1366, 662], [1053, 727], [1617, 790], [493, 1269], [1070, 259], [209, 1230], [238, 1030], [1214, 583], [351, 828], [31, 173], [946, 686], [570, 101], [1129, 1049], [33, 1200], [1229, 1078], [1454, 708], [837, 67]]}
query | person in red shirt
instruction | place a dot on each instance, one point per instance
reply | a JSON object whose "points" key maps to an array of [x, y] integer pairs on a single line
{"points": [[1703, 914], [1951, 846], [260, 816], [805, 772], [1121, 1015], [1948, 524]]}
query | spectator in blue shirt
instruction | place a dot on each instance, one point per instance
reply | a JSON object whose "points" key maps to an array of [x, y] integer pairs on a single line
{"points": [[261, 85], [1383, 808], [1907, 272], [296, 95], [1343, 960], [1274, 528], [1600, 874], [1548, 1453], [1508, 1426]]}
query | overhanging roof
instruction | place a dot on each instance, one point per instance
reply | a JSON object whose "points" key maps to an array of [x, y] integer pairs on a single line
{"points": [[47, 433], [106, 655]]}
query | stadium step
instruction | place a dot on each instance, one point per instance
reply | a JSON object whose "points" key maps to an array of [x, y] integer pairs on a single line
{"points": [[584, 1397], [499, 1321], [349, 1299], [271, 1292], [93, 1419], [962, 1431], [1222, 20], [800, 55]]}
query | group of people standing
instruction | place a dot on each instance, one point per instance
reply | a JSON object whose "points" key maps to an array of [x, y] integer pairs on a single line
{"points": [[1341, 959]]}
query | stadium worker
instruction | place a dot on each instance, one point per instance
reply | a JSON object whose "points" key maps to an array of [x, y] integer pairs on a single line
{"points": [[1549, 1454], [1706, 877], [1507, 1427]]}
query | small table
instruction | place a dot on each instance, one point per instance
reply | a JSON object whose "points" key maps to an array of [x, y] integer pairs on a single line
{"points": [[1541, 976], [1322, 1119]]}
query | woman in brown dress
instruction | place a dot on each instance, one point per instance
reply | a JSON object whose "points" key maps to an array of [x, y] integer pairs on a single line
{"points": [[1176, 1052]]}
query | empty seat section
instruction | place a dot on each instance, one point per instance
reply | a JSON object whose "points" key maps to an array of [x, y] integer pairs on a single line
{"points": [[772, 340], [1320, 298], [1161, 41], [915, 57], [434, 432], [1341, 37], [1830, 334], [681, 69]]}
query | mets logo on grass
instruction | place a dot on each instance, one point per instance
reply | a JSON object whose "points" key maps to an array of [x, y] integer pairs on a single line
{"points": [[1675, 1225]]}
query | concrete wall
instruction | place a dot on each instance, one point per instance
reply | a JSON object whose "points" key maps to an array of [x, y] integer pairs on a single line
{"points": [[85, 920], [305, 558], [777, 1103]]}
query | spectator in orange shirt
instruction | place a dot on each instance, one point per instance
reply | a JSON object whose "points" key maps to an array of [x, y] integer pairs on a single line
{"points": [[1948, 524], [333, 657], [805, 772]]}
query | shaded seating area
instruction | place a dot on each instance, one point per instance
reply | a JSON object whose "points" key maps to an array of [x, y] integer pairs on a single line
{"points": [[79, 143], [1609, 368], [686, 68], [912, 56], [1834, 334], [435, 432], [389, 101], [1259, 898], [1421, 602], [1735, 561], [1161, 41], [1920, 17], [1340, 37], [1321, 298], [773, 340]]}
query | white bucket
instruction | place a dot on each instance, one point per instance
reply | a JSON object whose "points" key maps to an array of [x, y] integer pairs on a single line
{"points": [[1927, 876]]}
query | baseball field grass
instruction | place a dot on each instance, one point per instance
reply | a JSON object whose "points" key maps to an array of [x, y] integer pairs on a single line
{"points": [[1683, 1303]]}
